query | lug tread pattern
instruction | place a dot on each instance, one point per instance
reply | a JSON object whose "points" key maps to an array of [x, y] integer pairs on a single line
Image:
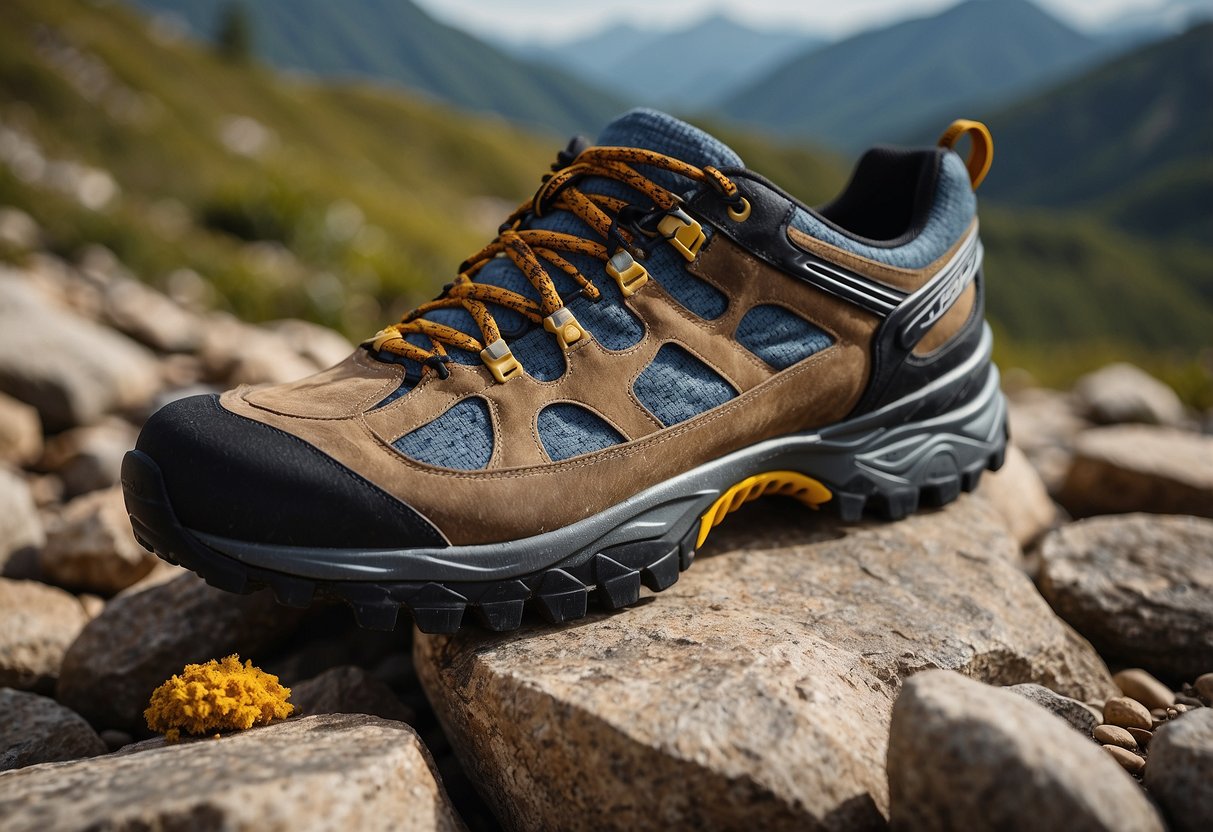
{"points": [[612, 578]]}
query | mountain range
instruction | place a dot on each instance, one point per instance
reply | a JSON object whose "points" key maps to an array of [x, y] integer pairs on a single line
{"points": [[883, 84], [396, 41], [689, 68]]}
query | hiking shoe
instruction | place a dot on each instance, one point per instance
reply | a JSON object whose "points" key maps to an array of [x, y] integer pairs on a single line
{"points": [[659, 336]]}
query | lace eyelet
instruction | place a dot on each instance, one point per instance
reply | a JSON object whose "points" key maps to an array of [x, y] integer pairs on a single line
{"points": [[740, 214]]}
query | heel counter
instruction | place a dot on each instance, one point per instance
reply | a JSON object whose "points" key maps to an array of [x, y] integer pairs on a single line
{"points": [[932, 332]]}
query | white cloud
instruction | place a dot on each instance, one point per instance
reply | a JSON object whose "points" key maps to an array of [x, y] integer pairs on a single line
{"points": [[528, 21]]}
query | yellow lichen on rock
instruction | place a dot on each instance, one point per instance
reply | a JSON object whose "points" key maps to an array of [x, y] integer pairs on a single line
{"points": [[217, 696]]}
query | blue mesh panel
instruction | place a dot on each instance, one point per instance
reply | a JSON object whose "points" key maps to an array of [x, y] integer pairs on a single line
{"points": [[953, 210], [568, 430], [677, 386], [461, 438], [539, 353], [780, 337]]}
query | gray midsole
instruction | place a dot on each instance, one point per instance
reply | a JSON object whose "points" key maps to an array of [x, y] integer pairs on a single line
{"points": [[884, 448]]}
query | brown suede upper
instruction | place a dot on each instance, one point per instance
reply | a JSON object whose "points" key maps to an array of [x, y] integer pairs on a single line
{"points": [[522, 492]]}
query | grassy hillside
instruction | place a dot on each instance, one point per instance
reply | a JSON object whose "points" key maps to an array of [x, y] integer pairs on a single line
{"points": [[881, 85], [1134, 138], [387, 192], [394, 40]]}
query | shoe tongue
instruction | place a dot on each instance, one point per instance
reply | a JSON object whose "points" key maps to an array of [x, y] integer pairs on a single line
{"points": [[654, 130]]}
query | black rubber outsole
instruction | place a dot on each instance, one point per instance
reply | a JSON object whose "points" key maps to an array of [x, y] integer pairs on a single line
{"points": [[612, 579]]}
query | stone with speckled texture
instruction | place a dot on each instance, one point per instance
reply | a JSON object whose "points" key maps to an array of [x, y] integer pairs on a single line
{"points": [[321, 772], [756, 692]]}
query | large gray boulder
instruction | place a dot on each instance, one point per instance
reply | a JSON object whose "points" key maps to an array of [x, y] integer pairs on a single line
{"points": [[34, 729], [963, 756], [756, 692], [1179, 772], [1139, 586], [320, 772]]}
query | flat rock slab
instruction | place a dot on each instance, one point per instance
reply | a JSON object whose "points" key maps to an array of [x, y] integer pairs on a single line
{"points": [[37, 625], [1139, 468], [756, 692], [963, 756], [1179, 772], [319, 772], [34, 729], [142, 639], [1139, 586]]}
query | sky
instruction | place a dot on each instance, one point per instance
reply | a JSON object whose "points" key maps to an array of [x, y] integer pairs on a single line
{"points": [[553, 21]]}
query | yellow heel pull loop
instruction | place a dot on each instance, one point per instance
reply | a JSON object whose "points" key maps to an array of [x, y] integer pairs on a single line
{"points": [[981, 150]]}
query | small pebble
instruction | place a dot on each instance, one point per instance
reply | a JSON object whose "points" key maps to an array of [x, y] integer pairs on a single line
{"points": [[1179, 708], [1115, 735], [1140, 685], [1142, 737], [1204, 687], [1127, 713], [1127, 759], [1158, 713]]}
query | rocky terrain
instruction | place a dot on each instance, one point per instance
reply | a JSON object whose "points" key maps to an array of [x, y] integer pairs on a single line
{"points": [[1037, 654]]}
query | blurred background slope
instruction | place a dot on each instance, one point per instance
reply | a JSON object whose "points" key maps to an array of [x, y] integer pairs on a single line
{"points": [[336, 161]]}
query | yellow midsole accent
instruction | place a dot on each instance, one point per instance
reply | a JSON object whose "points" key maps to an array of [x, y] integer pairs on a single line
{"points": [[786, 483]]}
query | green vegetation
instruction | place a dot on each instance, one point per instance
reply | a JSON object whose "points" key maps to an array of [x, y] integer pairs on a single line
{"points": [[268, 187], [395, 41], [1133, 137]]}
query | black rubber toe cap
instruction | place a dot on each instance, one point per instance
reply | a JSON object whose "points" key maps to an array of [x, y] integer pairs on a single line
{"points": [[233, 477]]}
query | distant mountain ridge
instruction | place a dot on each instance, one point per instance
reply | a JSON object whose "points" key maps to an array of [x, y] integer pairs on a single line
{"points": [[881, 85], [395, 40], [1134, 137], [688, 68]]}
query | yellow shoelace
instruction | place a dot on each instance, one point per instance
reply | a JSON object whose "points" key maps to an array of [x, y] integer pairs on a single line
{"points": [[528, 247]]}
